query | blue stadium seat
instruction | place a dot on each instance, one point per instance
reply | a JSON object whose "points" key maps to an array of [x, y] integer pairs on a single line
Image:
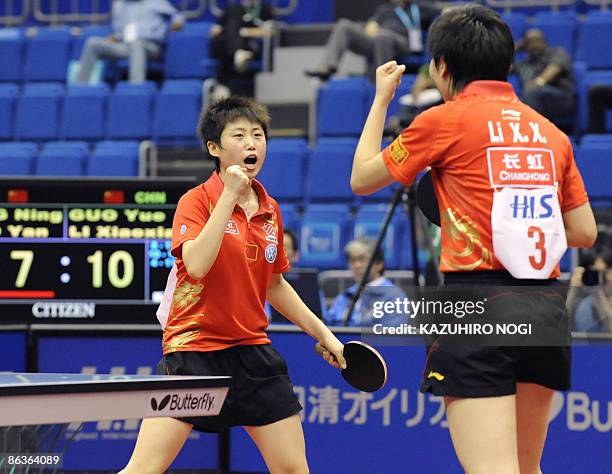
{"points": [[291, 218], [343, 107], [593, 160], [604, 138], [130, 111], [47, 55], [283, 171], [11, 52], [114, 159], [186, 52], [17, 158], [38, 112], [559, 27], [8, 93], [590, 79], [84, 112], [323, 235], [368, 222], [517, 23], [594, 40], [329, 171], [177, 111], [62, 159]]}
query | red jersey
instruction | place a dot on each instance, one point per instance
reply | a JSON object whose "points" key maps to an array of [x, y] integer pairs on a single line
{"points": [[226, 307], [484, 139]]}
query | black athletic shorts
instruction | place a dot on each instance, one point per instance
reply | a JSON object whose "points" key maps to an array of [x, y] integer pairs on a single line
{"points": [[481, 370], [260, 393]]}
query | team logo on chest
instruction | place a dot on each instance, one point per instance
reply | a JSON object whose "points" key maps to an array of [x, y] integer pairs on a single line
{"points": [[271, 253], [232, 228], [270, 230]]}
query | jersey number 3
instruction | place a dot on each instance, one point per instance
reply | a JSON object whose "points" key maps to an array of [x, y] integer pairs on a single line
{"points": [[535, 233]]}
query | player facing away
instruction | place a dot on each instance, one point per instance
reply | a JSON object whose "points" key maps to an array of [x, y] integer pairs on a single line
{"points": [[493, 159], [227, 237]]}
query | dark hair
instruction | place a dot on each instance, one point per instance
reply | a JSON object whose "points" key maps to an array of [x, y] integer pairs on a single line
{"points": [[475, 43], [215, 118], [294, 242]]}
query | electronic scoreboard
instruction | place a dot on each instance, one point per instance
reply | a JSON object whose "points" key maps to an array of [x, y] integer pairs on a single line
{"points": [[87, 250]]}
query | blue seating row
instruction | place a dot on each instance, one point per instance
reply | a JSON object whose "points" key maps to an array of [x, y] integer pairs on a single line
{"points": [[45, 56], [294, 174], [49, 111], [108, 158]]}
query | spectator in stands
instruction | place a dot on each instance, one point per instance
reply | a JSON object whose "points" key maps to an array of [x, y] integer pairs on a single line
{"points": [[394, 30], [236, 42], [547, 79], [291, 247], [140, 28], [423, 95], [594, 313], [600, 99], [585, 279], [378, 288]]}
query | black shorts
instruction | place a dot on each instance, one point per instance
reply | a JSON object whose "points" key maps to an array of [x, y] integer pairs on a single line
{"points": [[260, 393], [472, 370]]}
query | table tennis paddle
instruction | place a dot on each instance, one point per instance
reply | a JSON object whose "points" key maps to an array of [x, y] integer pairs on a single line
{"points": [[366, 369], [426, 199]]}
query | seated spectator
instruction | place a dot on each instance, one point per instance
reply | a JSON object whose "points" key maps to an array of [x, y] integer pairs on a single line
{"points": [[291, 246], [585, 279], [394, 30], [378, 288], [423, 95], [594, 313], [236, 42], [547, 79], [600, 99], [140, 29]]}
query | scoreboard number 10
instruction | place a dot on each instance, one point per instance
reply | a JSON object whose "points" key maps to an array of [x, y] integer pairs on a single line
{"points": [[114, 277]]}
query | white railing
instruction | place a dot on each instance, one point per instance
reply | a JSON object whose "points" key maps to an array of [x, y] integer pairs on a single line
{"points": [[11, 18]]}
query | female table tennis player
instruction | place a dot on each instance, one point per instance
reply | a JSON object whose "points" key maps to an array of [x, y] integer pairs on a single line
{"points": [[227, 237], [492, 157]]}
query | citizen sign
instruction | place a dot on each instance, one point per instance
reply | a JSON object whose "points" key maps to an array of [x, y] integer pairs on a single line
{"points": [[43, 310]]}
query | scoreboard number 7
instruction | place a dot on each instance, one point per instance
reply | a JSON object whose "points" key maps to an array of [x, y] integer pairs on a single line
{"points": [[26, 257]]}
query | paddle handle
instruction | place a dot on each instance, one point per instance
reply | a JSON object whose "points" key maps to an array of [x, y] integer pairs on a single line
{"points": [[319, 349]]}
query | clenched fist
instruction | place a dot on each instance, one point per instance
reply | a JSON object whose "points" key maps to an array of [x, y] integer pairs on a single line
{"points": [[236, 182]]}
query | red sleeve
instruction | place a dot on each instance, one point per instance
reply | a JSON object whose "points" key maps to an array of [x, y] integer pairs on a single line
{"points": [[573, 192], [191, 215], [413, 150], [281, 265]]}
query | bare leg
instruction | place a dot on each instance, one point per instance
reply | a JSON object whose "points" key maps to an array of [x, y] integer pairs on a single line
{"points": [[282, 445], [159, 441], [483, 431], [532, 409]]}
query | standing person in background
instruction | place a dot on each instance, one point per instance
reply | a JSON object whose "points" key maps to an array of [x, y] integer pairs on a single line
{"points": [[497, 397], [236, 42], [226, 236], [394, 30], [140, 29], [547, 78]]}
